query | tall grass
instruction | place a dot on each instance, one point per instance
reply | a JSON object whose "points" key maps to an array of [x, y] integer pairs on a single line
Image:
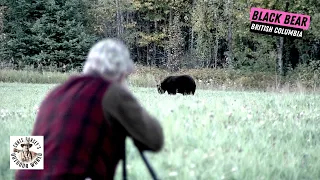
{"points": [[212, 135], [218, 79]]}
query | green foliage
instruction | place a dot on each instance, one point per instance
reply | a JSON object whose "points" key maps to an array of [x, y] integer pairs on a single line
{"points": [[175, 45], [60, 32], [152, 25], [306, 75], [209, 23], [47, 32]]}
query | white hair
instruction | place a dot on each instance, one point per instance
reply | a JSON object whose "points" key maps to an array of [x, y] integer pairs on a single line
{"points": [[109, 57]]}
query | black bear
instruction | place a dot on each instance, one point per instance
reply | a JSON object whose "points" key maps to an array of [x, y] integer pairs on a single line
{"points": [[183, 84]]}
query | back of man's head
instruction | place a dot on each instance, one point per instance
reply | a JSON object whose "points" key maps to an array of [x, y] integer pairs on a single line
{"points": [[109, 58]]}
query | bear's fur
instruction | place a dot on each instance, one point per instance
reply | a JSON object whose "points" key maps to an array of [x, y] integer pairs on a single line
{"points": [[183, 84]]}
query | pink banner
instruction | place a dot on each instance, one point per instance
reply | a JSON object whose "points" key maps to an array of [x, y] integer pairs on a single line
{"points": [[280, 18]]}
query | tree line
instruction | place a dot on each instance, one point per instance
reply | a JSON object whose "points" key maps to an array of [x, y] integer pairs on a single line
{"points": [[169, 34]]}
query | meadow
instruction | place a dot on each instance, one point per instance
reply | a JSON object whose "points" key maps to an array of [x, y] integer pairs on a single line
{"points": [[219, 135]]}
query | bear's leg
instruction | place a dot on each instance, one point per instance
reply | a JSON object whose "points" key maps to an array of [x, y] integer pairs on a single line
{"points": [[187, 91], [180, 90], [172, 92]]}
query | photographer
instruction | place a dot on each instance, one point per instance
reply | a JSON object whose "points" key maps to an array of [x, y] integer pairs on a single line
{"points": [[86, 120]]}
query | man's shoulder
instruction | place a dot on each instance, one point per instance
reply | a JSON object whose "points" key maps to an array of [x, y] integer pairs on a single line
{"points": [[117, 90], [119, 96], [77, 82]]}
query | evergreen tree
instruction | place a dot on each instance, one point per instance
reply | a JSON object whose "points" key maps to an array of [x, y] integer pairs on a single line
{"points": [[47, 32]]}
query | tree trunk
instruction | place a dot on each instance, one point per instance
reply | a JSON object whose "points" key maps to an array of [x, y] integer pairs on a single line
{"points": [[216, 42], [154, 49], [148, 55], [191, 32], [169, 60], [121, 22], [280, 50], [191, 39], [216, 47], [230, 54], [279, 55], [119, 19]]}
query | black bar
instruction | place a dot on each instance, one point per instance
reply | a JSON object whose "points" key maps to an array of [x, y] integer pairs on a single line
{"points": [[273, 29]]}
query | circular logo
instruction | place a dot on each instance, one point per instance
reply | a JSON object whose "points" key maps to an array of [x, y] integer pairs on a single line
{"points": [[27, 152]]}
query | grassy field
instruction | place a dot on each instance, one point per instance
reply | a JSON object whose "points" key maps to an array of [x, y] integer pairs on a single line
{"points": [[212, 135]]}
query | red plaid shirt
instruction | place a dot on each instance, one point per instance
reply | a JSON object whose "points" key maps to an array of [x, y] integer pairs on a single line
{"points": [[78, 141]]}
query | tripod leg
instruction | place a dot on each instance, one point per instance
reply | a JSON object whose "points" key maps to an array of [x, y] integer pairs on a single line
{"points": [[124, 169], [153, 174]]}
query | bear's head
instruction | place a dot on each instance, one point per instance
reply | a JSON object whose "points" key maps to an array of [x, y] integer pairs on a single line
{"points": [[160, 89]]}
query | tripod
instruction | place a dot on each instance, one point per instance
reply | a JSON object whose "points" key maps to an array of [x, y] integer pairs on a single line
{"points": [[124, 169]]}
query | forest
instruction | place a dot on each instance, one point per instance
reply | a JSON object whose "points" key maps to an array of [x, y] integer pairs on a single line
{"points": [[165, 34]]}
